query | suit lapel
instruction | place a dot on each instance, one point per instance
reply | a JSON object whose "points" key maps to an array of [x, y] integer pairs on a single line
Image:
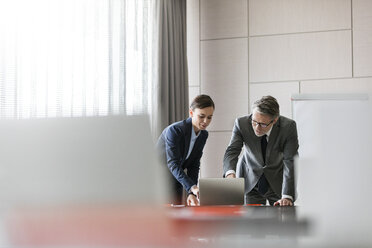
{"points": [[188, 126], [257, 145], [200, 140], [256, 141], [273, 136]]}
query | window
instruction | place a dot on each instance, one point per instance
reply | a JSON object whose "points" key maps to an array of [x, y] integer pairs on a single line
{"points": [[74, 58]]}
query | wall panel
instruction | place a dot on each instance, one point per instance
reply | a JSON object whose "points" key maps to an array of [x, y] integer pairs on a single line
{"points": [[223, 19], [212, 160], [362, 37], [300, 56], [295, 16], [224, 77]]}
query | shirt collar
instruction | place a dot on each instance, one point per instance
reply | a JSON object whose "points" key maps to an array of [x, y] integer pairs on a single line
{"points": [[193, 134], [269, 132]]}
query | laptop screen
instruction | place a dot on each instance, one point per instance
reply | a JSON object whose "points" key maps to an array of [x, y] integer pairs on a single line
{"points": [[221, 191]]}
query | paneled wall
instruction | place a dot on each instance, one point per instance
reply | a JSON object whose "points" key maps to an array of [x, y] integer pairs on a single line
{"points": [[240, 50]]}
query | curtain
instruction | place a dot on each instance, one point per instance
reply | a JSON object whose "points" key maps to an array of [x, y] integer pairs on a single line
{"points": [[170, 85], [75, 58]]}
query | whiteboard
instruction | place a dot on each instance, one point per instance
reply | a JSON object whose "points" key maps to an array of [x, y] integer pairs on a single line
{"points": [[334, 168], [317, 114]]}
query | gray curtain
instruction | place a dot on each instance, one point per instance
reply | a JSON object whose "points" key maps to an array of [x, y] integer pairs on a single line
{"points": [[170, 79]]}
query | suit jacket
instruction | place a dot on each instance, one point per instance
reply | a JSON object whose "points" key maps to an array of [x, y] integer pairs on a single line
{"points": [[280, 152], [173, 145]]}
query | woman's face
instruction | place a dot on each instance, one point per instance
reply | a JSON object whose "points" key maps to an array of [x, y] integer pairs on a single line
{"points": [[201, 118]]}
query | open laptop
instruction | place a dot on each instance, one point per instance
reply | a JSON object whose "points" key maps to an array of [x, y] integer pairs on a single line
{"points": [[221, 191]]}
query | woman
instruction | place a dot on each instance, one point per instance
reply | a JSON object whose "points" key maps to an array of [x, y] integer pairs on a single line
{"points": [[181, 145]]}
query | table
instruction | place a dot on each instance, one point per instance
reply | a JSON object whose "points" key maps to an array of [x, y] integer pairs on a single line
{"points": [[149, 226], [253, 221]]}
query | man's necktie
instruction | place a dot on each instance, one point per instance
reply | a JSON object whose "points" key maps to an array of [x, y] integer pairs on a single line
{"points": [[263, 185], [263, 146]]}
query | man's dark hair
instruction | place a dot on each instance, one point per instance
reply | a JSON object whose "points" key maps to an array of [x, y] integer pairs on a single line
{"points": [[202, 101], [267, 105]]}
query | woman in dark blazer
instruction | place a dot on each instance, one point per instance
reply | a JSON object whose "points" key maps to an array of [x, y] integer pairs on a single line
{"points": [[181, 146]]}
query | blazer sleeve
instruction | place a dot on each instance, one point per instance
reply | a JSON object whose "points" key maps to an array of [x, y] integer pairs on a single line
{"points": [[193, 163], [233, 149], [174, 156], [290, 151], [193, 170]]}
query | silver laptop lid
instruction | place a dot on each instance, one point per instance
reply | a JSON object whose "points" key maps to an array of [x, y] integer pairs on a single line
{"points": [[221, 191]]}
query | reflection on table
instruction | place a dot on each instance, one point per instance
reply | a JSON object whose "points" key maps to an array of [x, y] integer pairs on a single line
{"points": [[136, 226], [213, 224]]}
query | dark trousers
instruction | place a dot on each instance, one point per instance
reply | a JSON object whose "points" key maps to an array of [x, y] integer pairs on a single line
{"points": [[255, 197]]}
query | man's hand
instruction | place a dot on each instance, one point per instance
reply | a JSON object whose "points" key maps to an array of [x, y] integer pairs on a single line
{"points": [[284, 202], [232, 175], [192, 200]]}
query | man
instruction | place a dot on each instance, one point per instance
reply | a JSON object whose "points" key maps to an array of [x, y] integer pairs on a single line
{"points": [[181, 146], [267, 163]]}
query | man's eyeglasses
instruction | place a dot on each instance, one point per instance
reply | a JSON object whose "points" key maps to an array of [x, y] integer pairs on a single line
{"points": [[263, 125]]}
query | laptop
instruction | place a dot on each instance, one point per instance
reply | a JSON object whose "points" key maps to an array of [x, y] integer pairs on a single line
{"points": [[221, 191]]}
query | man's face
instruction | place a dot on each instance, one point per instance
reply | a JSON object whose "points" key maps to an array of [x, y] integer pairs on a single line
{"points": [[201, 118], [262, 123]]}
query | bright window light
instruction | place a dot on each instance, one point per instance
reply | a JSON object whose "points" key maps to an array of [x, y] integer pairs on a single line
{"points": [[74, 57]]}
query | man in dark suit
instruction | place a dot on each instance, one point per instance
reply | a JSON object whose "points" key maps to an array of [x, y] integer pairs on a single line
{"points": [[181, 146], [270, 145]]}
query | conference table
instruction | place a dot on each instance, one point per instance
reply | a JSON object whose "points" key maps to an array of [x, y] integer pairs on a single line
{"points": [[151, 226], [230, 224]]}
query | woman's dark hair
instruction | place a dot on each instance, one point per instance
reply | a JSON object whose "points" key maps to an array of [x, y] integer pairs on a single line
{"points": [[202, 101]]}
